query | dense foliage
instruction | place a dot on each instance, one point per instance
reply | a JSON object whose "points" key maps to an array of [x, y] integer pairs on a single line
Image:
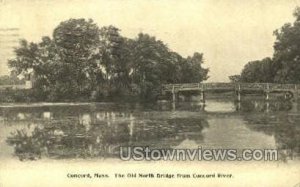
{"points": [[11, 79], [258, 71], [83, 61], [284, 66]]}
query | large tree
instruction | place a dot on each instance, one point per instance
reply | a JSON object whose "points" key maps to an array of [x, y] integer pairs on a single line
{"points": [[114, 58], [287, 52], [77, 43], [150, 61], [155, 64]]}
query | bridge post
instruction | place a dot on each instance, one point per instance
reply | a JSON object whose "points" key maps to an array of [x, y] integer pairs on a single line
{"points": [[173, 98], [267, 92], [267, 98], [238, 97], [173, 94], [202, 95], [238, 106], [239, 93], [267, 107]]}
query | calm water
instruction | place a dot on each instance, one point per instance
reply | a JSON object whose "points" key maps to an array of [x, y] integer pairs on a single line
{"points": [[98, 130]]}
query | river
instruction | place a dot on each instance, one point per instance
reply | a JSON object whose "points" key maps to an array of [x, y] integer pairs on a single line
{"points": [[97, 130]]}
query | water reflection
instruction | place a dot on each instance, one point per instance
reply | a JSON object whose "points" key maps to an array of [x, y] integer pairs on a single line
{"points": [[220, 106], [99, 130], [283, 127], [229, 106], [100, 135]]}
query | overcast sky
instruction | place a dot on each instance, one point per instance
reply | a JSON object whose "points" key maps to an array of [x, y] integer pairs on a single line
{"points": [[229, 32]]}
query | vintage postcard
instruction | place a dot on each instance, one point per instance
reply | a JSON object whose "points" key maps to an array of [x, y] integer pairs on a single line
{"points": [[149, 93]]}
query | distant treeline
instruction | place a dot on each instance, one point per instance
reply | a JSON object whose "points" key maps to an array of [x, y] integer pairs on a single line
{"points": [[284, 66], [12, 95], [84, 62], [11, 79]]}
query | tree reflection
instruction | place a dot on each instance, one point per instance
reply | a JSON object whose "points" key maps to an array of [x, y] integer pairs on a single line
{"points": [[101, 136], [284, 127], [264, 106]]}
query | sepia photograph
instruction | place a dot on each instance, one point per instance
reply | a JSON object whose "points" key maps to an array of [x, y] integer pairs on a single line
{"points": [[150, 93]]}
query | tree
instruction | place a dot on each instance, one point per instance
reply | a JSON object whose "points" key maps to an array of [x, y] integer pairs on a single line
{"points": [[258, 71], [149, 59], [11, 80], [235, 78], [155, 64], [195, 72], [38, 59], [287, 52], [114, 59], [77, 43]]}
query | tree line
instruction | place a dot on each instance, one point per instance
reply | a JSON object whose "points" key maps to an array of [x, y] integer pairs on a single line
{"points": [[11, 79], [284, 66], [82, 61]]}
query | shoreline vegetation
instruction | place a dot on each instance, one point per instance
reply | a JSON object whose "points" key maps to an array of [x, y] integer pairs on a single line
{"points": [[82, 62], [85, 63]]}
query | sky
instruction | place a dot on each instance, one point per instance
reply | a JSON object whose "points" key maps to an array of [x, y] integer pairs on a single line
{"points": [[229, 33]]}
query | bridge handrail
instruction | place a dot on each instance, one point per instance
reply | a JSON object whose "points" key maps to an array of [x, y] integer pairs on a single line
{"points": [[262, 86]]}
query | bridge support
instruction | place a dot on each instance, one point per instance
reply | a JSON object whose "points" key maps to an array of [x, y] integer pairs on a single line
{"points": [[173, 98], [238, 106], [267, 98], [202, 97], [173, 95], [238, 100], [238, 96], [265, 88], [238, 93], [267, 107], [267, 92]]}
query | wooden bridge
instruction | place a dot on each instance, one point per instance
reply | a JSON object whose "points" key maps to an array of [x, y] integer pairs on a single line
{"points": [[289, 89]]}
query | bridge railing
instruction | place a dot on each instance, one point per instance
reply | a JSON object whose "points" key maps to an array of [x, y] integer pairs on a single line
{"points": [[254, 86], [181, 86], [268, 86], [236, 86], [216, 86], [284, 86]]}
